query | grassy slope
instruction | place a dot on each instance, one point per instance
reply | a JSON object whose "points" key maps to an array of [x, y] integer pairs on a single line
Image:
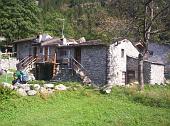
{"points": [[81, 108]]}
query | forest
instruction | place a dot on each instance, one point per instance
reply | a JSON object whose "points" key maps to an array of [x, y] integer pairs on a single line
{"points": [[93, 19]]}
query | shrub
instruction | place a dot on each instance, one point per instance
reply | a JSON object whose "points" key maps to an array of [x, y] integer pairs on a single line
{"points": [[6, 93], [156, 96]]}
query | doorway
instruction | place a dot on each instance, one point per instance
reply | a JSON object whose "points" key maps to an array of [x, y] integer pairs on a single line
{"points": [[130, 76], [35, 52]]}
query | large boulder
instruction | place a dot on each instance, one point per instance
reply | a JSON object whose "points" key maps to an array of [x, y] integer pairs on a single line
{"points": [[21, 92], [49, 85], [86, 80], [50, 91], [7, 85], [26, 87], [31, 92], [37, 87], [60, 87], [43, 90]]}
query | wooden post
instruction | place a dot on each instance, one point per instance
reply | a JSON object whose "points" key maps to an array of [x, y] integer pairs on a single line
{"points": [[54, 65]]}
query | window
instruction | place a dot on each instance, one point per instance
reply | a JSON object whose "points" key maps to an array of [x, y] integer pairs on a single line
{"points": [[151, 53], [41, 49], [122, 53]]}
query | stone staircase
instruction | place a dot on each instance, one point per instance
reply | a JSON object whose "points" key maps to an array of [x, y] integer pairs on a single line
{"points": [[27, 63], [73, 71], [81, 71]]}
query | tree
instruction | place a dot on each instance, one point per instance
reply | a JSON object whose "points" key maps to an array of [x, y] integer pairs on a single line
{"points": [[18, 19], [153, 14], [52, 24]]}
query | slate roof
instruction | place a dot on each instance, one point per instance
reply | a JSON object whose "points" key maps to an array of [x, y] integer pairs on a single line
{"points": [[25, 40]]}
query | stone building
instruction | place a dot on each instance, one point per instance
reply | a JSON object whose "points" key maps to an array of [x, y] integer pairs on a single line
{"points": [[86, 61], [160, 53]]}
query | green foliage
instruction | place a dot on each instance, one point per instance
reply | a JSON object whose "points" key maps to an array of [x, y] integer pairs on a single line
{"points": [[92, 19], [6, 93], [52, 24], [18, 18], [157, 96], [41, 82]]}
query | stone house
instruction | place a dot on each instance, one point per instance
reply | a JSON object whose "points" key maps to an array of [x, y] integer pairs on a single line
{"points": [[160, 53], [87, 61]]}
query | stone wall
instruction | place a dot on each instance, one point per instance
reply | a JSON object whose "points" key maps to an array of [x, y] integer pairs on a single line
{"points": [[24, 49], [94, 60], [147, 72], [157, 74], [153, 72], [117, 61]]}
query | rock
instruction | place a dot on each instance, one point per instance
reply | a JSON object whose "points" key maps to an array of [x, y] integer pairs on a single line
{"points": [[31, 77], [50, 91], [7, 85], [86, 80], [37, 87], [26, 87], [82, 39], [108, 91], [43, 90], [31, 92], [60, 87], [81, 73], [49, 85], [136, 82], [127, 85], [21, 92], [15, 87]]}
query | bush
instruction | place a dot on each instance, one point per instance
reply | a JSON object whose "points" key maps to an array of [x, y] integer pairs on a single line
{"points": [[156, 96], [6, 93]]}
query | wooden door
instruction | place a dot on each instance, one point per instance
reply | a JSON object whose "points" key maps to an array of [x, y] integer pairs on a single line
{"points": [[78, 54], [34, 52], [130, 76]]}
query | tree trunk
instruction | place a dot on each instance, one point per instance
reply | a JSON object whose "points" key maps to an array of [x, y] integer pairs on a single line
{"points": [[140, 71]]}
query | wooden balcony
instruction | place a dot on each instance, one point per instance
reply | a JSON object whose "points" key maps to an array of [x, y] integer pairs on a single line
{"points": [[46, 59]]}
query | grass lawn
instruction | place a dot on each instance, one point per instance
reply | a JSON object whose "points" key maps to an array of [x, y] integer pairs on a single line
{"points": [[87, 107]]}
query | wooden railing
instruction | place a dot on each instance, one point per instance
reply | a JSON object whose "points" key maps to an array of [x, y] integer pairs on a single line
{"points": [[46, 58], [8, 55], [26, 62], [75, 64], [79, 69]]}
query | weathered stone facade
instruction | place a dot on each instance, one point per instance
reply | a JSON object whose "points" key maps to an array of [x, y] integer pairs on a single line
{"points": [[157, 73], [104, 64], [153, 72], [117, 61], [24, 49], [94, 60]]}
